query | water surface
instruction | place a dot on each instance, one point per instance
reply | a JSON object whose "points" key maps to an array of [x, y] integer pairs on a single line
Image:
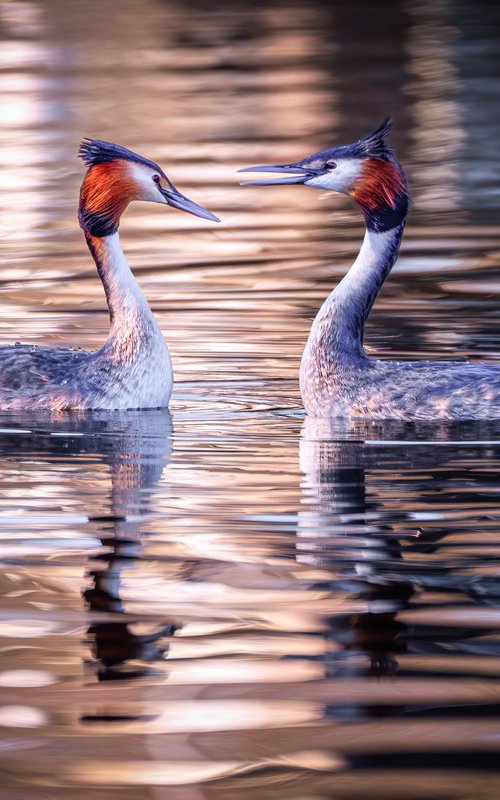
{"points": [[229, 601]]}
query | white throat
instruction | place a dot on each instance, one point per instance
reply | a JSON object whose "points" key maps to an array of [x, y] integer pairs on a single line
{"points": [[375, 254], [132, 321], [122, 290]]}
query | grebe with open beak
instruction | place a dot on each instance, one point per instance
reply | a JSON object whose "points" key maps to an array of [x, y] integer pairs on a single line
{"points": [[337, 377]]}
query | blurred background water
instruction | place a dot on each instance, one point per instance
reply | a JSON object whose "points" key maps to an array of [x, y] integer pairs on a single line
{"points": [[230, 601]]}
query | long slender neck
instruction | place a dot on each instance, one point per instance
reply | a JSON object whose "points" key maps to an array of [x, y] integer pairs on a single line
{"points": [[339, 325], [132, 320]]}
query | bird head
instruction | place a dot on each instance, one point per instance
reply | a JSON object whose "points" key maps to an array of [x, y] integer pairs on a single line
{"points": [[117, 176], [367, 171]]}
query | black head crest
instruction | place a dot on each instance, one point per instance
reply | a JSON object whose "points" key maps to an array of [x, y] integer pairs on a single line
{"points": [[374, 145], [371, 146], [95, 151]]}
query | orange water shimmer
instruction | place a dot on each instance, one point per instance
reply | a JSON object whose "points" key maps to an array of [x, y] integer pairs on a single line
{"points": [[232, 604]]}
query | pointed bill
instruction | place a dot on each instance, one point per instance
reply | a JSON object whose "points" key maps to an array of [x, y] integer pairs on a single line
{"points": [[295, 174], [183, 203]]}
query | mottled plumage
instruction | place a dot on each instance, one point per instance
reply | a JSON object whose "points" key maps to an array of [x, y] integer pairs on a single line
{"points": [[61, 378], [406, 390]]}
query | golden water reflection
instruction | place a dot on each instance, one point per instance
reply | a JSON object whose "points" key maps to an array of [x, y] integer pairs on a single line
{"points": [[234, 602]]}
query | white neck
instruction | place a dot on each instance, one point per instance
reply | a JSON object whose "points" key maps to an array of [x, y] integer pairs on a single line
{"points": [[339, 325], [334, 349], [131, 318]]}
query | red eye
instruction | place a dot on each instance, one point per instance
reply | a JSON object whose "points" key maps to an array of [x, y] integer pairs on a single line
{"points": [[330, 165], [156, 178]]}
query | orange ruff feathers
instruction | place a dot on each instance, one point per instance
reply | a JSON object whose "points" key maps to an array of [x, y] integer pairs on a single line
{"points": [[380, 185], [107, 189]]}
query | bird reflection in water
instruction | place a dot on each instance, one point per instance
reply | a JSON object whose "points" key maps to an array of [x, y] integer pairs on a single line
{"points": [[341, 535], [114, 643], [135, 446], [369, 554], [137, 456]]}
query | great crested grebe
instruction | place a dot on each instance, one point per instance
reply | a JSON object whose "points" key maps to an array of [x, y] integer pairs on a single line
{"points": [[133, 368], [337, 378]]}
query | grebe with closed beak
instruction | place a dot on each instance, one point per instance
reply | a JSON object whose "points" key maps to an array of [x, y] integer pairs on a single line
{"points": [[133, 368], [337, 378]]}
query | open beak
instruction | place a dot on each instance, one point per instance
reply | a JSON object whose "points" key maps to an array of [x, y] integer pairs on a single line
{"points": [[177, 200], [295, 174]]}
